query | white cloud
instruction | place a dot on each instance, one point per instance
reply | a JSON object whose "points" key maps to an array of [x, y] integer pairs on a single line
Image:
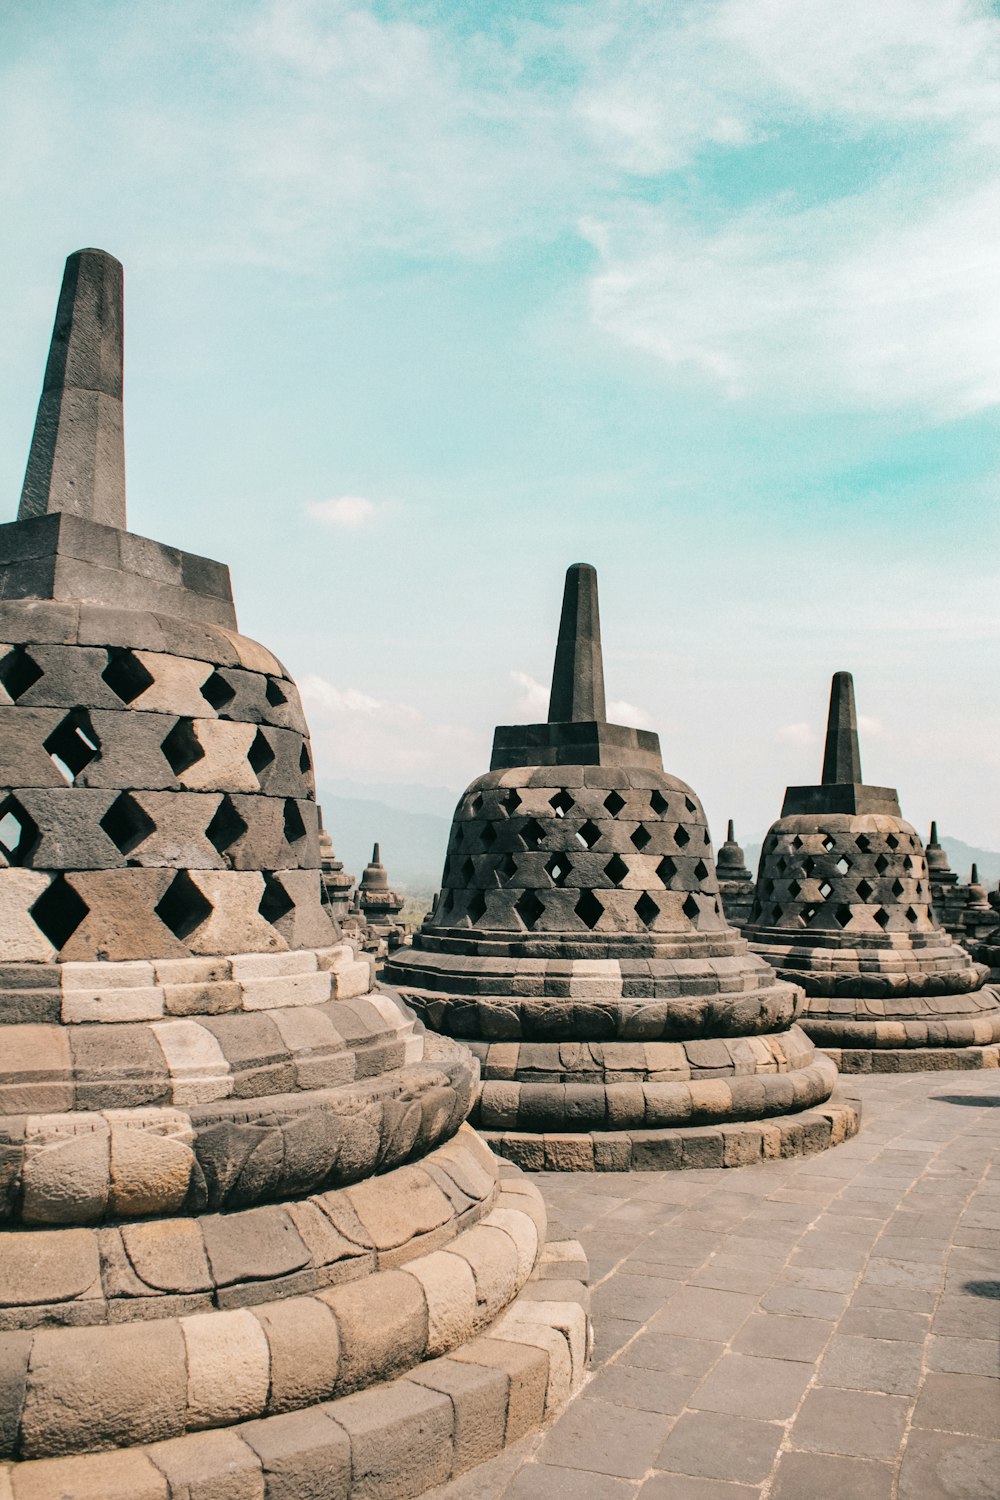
{"points": [[800, 733], [347, 511], [533, 703], [621, 712], [352, 733], [869, 726]]}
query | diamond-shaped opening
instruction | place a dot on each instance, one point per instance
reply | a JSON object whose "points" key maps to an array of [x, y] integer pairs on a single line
{"points": [[614, 803], [588, 835], [843, 915], [58, 912], [781, 864], [808, 912], [476, 804], [794, 890], [908, 861], [666, 869], [681, 836], [692, 807], [911, 915], [843, 864], [864, 889], [183, 907], [260, 753], [658, 803], [226, 826], [127, 824], [510, 802], [488, 835], [646, 909], [892, 841], [616, 869], [808, 866], [447, 903], [708, 837], [181, 748], [19, 672], [126, 676], [476, 906], [920, 888], [561, 803], [589, 909], [468, 870], [641, 836], [73, 744], [898, 888], [882, 864], [295, 827], [796, 842], [305, 762], [767, 889], [882, 918], [529, 908], [275, 693], [691, 909], [701, 870], [863, 843], [829, 843], [557, 868], [275, 902], [457, 835], [217, 691], [776, 913], [826, 889], [532, 834], [19, 833], [506, 869]]}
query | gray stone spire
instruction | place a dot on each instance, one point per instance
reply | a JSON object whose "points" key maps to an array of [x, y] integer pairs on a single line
{"points": [[842, 760], [578, 674], [77, 458]]}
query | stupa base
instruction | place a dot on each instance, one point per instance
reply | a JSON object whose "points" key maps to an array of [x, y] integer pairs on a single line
{"points": [[401, 1437], [738, 1144], [913, 1059]]}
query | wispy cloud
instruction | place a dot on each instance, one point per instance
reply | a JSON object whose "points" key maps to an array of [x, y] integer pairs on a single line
{"points": [[354, 732], [799, 733], [533, 702], [349, 512]]}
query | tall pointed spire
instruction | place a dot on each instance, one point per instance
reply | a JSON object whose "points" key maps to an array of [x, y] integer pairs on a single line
{"points": [[77, 457], [934, 832], [578, 674], [842, 760], [730, 832]]}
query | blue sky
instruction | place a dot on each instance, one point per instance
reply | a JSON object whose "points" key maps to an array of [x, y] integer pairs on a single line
{"points": [[426, 301]]}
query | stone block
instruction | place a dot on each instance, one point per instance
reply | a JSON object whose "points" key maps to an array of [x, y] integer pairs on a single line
{"points": [[14, 1351], [67, 1173], [479, 1399], [450, 1292], [21, 939], [178, 838], [99, 1476], [117, 1067], [228, 1363], [48, 1266], [198, 1069], [401, 1439], [494, 1261], [305, 1351], [103, 1387], [295, 989], [382, 1322], [150, 1168], [24, 761], [254, 1245], [234, 922], [112, 1004], [69, 825], [352, 980], [121, 920], [176, 685], [526, 1368], [168, 1254], [36, 1070], [210, 1466], [304, 1455]]}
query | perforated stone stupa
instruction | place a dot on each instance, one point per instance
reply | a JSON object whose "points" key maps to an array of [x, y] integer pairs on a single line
{"points": [[843, 908], [248, 1247], [579, 947]]}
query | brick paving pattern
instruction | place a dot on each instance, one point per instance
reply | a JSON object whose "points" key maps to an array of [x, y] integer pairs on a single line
{"points": [[826, 1328]]}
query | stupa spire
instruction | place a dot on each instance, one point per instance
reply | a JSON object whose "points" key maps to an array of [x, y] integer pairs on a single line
{"points": [[578, 675], [842, 758], [77, 457]]}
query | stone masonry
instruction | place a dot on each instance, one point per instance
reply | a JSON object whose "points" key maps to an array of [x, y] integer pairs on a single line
{"points": [[248, 1245], [843, 908], [579, 948]]}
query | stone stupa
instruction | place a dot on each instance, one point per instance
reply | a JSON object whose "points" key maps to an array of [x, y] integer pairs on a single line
{"points": [[579, 947], [248, 1246], [843, 908], [380, 905], [736, 883]]}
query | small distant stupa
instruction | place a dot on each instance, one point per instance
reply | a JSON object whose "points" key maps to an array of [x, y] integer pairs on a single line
{"points": [[736, 884]]}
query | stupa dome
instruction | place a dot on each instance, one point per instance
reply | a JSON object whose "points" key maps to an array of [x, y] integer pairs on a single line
{"points": [[241, 1219], [579, 947], [843, 908]]}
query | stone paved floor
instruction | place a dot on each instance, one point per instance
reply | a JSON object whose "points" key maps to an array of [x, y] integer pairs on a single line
{"points": [[825, 1328]]}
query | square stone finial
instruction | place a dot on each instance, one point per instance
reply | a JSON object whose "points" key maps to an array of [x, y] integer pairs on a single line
{"points": [[77, 458]]}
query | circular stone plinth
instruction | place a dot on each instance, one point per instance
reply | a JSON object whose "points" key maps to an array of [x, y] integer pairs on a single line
{"points": [[732, 1145], [913, 1059]]}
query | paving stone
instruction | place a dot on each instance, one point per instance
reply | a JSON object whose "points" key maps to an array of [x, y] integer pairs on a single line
{"points": [[806, 1476], [641, 1389], [700, 1313], [597, 1437], [945, 1466], [779, 1337], [963, 1356], [885, 1323], [747, 1386], [856, 1424], [678, 1356], [711, 1445], [682, 1487], [867, 1364], [541, 1481], [959, 1403]]}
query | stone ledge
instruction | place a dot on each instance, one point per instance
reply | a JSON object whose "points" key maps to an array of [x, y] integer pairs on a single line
{"points": [[913, 1059], [734, 1145]]}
